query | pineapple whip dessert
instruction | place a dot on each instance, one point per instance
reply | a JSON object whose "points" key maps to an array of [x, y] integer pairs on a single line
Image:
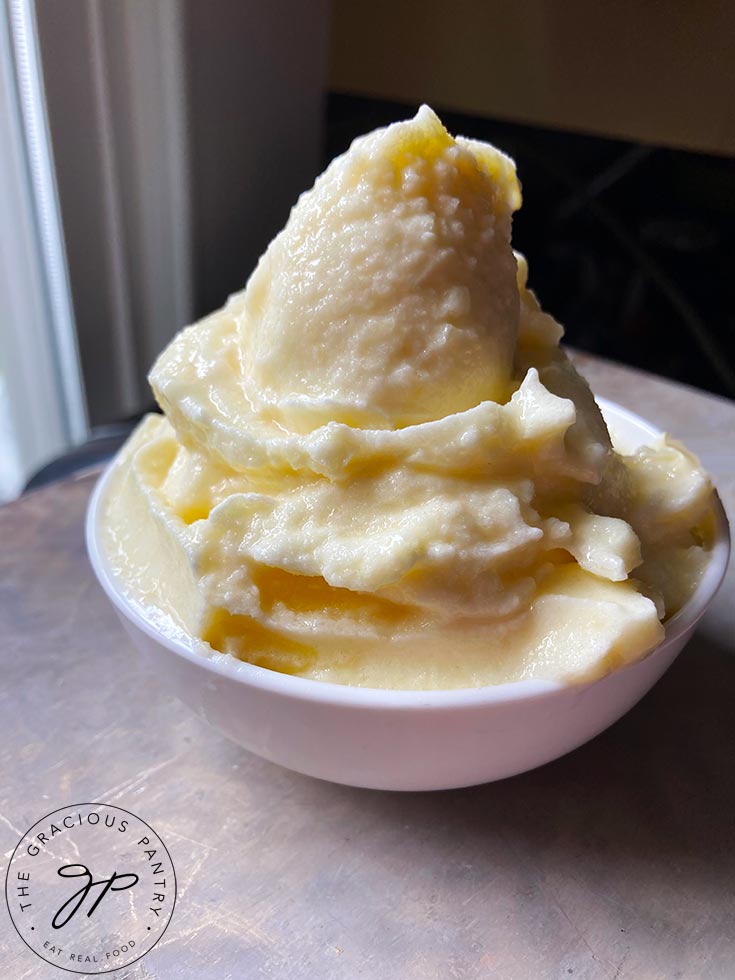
{"points": [[376, 467]]}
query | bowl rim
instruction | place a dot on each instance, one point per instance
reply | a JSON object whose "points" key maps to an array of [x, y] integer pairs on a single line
{"points": [[311, 689]]}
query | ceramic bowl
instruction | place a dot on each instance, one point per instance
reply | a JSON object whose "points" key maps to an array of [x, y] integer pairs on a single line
{"points": [[406, 740]]}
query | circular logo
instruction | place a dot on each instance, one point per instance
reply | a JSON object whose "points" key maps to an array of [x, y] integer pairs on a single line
{"points": [[90, 888]]}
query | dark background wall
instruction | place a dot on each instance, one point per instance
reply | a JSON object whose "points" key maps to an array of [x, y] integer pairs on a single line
{"points": [[630, 246]]}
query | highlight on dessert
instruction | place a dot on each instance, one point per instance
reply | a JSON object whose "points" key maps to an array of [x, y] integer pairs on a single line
{"points": [[377, 467]]}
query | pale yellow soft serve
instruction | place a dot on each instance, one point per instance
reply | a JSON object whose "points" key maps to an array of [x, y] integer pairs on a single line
{"points": [[377, 467]]}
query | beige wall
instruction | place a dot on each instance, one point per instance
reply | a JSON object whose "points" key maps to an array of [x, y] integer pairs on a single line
{"points": [[660, 72]]}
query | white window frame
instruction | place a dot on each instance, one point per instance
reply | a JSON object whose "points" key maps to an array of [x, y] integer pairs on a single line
{"points": [[42, 403]]}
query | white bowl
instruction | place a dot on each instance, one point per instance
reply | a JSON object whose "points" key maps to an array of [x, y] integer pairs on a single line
{"points": [[407, 740]]}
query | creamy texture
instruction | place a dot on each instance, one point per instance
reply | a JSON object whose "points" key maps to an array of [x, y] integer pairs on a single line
{"points": [[377, 466]]}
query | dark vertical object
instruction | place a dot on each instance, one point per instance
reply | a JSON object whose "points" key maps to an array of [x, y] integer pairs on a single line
{"points": [[255, 72]]}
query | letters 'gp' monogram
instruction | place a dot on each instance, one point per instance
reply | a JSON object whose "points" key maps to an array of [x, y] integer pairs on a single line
{"points": [[90, 888]]}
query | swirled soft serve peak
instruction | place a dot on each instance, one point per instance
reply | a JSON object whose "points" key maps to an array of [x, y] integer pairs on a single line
{"points": [[377, 467]]}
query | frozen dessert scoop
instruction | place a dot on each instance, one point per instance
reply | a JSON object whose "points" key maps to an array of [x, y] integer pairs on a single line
{"points": [[389, 298], [377, 467]]}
